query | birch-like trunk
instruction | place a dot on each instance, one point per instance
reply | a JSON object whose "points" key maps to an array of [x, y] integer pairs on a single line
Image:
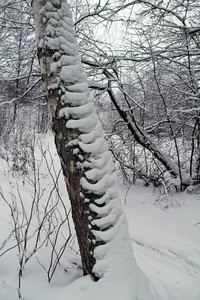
{"points": [[86, 162]]}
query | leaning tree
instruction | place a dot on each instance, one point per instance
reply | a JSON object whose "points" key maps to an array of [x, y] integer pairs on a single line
{"points": [[100, 223]]}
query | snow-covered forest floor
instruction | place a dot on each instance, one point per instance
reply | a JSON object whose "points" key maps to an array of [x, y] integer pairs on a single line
{"points": [[165, 235]]}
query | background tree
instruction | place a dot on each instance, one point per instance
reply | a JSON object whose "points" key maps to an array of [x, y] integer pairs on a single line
{"points": [[160, 54], [22, 100]]}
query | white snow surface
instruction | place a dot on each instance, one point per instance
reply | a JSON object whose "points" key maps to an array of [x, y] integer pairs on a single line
{"points": [[166, 247], [121, 277]]}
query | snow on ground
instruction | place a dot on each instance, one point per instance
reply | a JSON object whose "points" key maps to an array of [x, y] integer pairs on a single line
{"points": [[166, 243]]}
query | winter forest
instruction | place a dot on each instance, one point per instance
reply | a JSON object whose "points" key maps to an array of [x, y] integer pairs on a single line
{"points": [[100, 149]]}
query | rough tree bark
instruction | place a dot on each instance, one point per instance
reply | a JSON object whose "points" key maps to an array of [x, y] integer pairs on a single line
{"points": [[85, 159]]}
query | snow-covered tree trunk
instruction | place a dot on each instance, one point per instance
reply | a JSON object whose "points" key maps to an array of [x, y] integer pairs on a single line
{"points": [[100, 223]]}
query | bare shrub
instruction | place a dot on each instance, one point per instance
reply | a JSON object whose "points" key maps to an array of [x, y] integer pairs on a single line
{"points": [[41, 220]]}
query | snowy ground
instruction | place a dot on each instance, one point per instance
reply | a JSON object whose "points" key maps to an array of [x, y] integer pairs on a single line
{"points": [[166, 242]]}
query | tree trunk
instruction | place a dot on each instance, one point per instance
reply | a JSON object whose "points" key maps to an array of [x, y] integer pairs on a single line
{"points": [[85, 159]]}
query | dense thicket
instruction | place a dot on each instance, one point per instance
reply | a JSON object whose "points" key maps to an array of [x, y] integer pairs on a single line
{"points": [[152, 76], [142, 59]]}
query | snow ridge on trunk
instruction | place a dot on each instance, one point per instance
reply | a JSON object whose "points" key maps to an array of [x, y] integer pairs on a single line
{"points": [[84, 155]]}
